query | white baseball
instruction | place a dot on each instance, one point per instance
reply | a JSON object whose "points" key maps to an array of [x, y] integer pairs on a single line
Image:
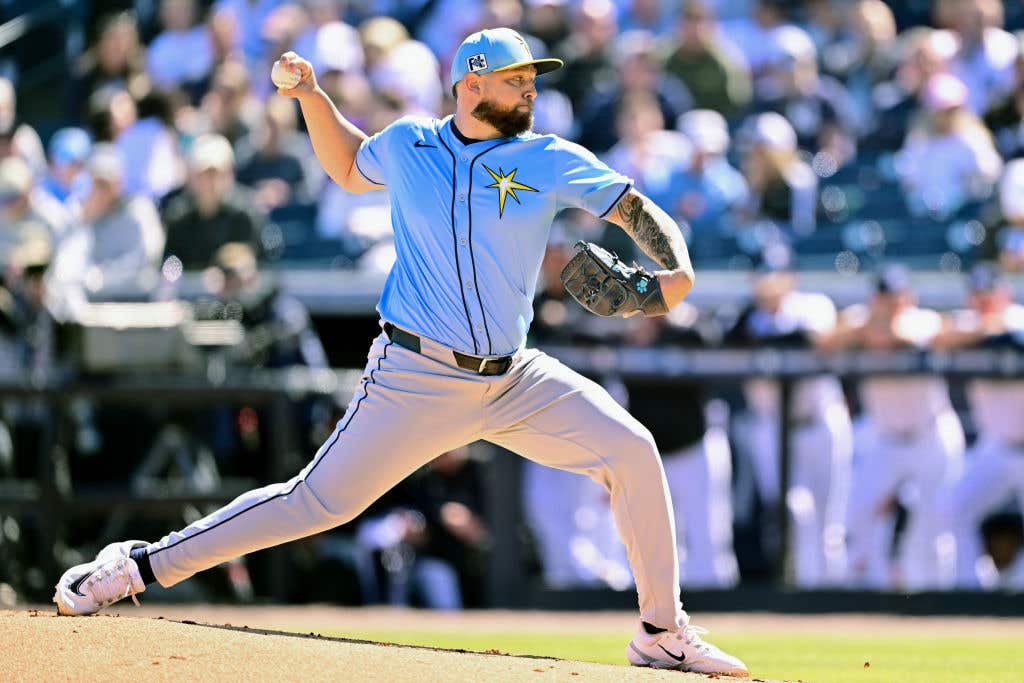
{"points": [[283, 78]]}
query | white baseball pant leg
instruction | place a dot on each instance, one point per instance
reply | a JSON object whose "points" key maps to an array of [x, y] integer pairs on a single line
{"points": [[929, 462], [819, 482], [993, 472], [561, 419], [700, 480], [402, 416]]}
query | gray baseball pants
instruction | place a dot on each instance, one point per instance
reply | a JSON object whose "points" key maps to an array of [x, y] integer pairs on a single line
{"points": [[410, 408]]}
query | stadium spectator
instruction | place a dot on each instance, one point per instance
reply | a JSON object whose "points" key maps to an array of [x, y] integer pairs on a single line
{"points": [[707, 191], [712, 69], [271, 160], [1005, 118], [922, 52], [114, 251], [908, 448], [783, 188], [68, 150], [587, 52], [212, 210], [331, 44], [229, 106], [27, 216], [818, 107], [408, 80], [115, 61], [646, 151], [821, 441], [17, 137], [985, 55], [755, 34], [148, 146], [655, 16], [948, 158], [250, 16], [278, 330], [431, 535], [994, 471], [548, 21], [1005, 243], [862, 55], [638, 72], [181, 55]]}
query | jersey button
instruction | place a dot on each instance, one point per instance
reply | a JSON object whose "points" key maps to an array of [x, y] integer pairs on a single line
{"points": [[462, 241], [469, 285], [461, 197], [465, 157]]}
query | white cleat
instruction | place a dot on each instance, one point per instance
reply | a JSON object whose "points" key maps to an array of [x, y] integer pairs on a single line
{"points": [[113, 575], [682, 650]]}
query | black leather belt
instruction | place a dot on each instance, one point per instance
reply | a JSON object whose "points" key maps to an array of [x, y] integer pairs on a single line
{"points": [[481, 366]]}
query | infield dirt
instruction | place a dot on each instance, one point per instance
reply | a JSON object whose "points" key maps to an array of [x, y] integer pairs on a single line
{"points": [[38, 645]]}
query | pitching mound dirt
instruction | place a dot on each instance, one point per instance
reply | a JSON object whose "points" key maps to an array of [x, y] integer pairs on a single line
{"points": [[42, 646]]}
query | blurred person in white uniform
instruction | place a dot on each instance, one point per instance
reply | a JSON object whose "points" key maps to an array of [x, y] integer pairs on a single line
{"points": [[908, 447], [690, 433], [994, 467], [781, 316]]}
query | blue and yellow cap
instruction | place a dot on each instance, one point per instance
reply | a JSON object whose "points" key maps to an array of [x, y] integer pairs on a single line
{"points": [[496, 49]]}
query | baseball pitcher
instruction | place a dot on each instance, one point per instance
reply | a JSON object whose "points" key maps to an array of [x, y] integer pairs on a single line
{"points": [[473, 197]]}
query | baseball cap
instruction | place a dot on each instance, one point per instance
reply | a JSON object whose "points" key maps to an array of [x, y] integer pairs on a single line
{"points": [[943, 91], [496, 49], [211, 151], [15, 178], [771, 130], [105, 163], [70, 146], [706, 129]]}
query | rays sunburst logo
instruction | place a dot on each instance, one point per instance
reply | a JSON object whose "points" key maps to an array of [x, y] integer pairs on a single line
{"points": [[507, 185]]}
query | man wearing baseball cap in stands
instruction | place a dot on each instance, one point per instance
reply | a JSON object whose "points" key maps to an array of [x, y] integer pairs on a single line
{"points": [[710, 188], [114, 251], [908, 446], [68, 150], [212, 210], [995, 464]]}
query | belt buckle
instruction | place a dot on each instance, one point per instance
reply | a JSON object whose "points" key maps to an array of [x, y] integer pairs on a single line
{"points": [[483, 366]]}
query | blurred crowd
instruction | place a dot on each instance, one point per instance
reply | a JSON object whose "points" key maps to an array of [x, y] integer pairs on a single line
{"points": [[851, 130], [828, 133]]}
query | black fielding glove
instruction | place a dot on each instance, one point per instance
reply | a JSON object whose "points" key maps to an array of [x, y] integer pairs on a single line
{"points": [[605, 285]]}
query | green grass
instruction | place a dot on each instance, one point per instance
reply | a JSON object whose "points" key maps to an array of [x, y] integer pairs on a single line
{"points": [[817, 658]]}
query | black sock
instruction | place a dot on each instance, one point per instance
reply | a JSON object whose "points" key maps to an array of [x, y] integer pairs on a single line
{"points": [[653, 630], [141, 558]]}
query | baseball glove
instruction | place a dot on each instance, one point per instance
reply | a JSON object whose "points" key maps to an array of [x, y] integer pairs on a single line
{"points": [[605, 285]]}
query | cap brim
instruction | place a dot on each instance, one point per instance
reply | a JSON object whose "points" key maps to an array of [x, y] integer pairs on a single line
{"points": [[543, 65]]}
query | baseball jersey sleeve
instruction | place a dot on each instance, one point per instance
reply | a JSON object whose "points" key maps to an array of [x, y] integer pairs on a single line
{"points": [[588, 183], [376, 155]]}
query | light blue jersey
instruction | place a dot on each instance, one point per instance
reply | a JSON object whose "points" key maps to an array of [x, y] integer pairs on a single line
{"points": [[471, 224]]}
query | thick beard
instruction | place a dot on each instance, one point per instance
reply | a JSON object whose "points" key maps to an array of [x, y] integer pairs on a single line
{"points": [[509, 122]]}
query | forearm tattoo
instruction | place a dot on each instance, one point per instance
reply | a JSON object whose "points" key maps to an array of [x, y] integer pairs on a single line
{"points": [[654, 231]]}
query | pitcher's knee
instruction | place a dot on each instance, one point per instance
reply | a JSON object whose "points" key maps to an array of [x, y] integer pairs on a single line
{"points": [[633, 450], [337, 504]]}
